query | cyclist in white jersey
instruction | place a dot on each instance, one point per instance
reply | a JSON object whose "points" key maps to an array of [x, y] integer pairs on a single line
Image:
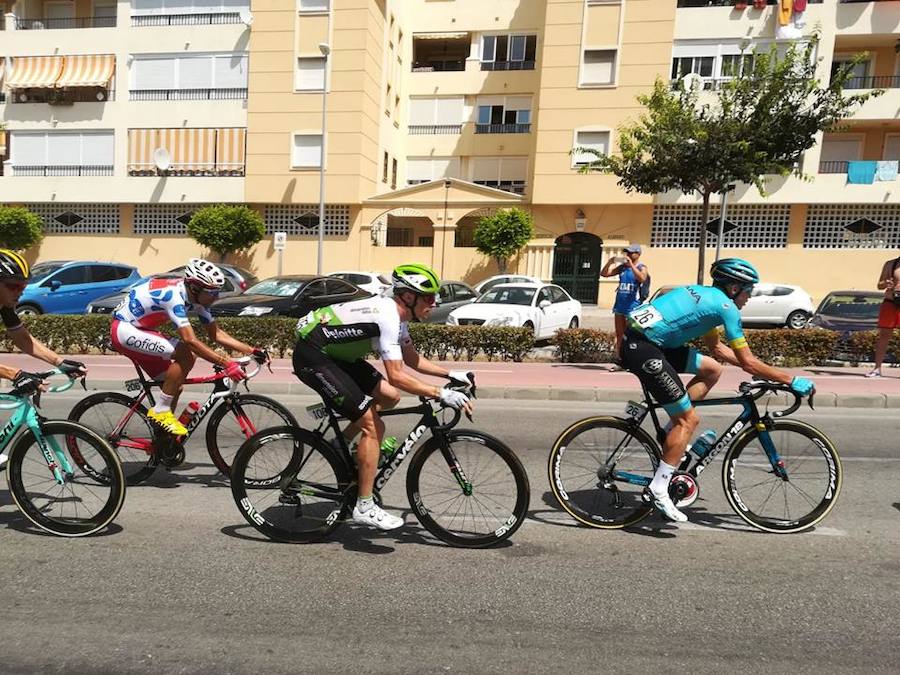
{"points": [[329, 357], [159, 301]]}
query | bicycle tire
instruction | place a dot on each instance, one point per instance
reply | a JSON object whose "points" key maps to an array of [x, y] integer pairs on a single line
{"points": [[220, 451], [27, 465], [261, 501], [814, 471], [574, 470], [102, 412], [502, 516]]}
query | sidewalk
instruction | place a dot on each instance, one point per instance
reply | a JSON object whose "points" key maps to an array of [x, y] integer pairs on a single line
{"points": [[836, 386]]}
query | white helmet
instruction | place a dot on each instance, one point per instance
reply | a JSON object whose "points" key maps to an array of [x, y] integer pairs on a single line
{"points": [[204, 273]]}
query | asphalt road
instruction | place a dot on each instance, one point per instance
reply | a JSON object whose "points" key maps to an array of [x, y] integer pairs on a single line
{"points": [[183, 585]]}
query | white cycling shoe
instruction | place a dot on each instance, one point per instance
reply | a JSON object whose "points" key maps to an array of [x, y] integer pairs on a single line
{"points": [[377, 517], [4, 458], [665, 505]]}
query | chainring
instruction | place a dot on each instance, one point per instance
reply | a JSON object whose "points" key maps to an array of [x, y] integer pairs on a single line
{"points": [[684, 489]]}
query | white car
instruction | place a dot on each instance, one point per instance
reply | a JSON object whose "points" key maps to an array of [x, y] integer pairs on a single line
{"points": [[780, 304], [543, 308], [371, 282], [490, 282]]}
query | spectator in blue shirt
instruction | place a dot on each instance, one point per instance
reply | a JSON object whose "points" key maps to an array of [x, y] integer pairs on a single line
{"points": [[631, 275]]}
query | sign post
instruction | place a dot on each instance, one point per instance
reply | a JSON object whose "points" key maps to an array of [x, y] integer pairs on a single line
{"points": [[279, 242]]}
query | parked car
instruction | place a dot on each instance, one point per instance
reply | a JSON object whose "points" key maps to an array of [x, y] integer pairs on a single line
{"points": [[490, 282], [108, 303], [452, 294], [779, 304], [847, 312], [543, 308], [372, 282], [68, 286], [288, 295], [240, 278]]}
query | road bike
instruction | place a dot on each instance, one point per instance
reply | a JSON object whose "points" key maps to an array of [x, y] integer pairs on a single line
{"points": [[42, 470], [778, 475], [466, 487], [122, 421]]}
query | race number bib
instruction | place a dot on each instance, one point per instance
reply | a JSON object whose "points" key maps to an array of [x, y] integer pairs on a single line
{"points": [[645, 316]]}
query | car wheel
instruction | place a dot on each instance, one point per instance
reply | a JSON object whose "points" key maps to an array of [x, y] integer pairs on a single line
{"points": [[530, 326], [797, 319], [574, 322], [28, 310]]}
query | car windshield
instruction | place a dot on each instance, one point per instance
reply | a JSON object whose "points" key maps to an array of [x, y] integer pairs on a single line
{"points": [[42, 270], [851, 306], [508, 296], [279, 288]]}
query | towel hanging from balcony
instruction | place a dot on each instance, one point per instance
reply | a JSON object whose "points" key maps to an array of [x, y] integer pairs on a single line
{"points": [[861, 172], [884, 170]]}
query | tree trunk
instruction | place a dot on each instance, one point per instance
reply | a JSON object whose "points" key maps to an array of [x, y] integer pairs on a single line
{"points": [[501, 265], [701, 254]]}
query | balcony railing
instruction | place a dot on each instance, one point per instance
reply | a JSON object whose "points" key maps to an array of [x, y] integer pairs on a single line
{"points": [[438, 66], [435, 129], [63, 23], [502, 128], [730, 3], [514, 186], [833, 166], [191, 170], [62, 96], [202, 19], [62, 170], [507, 65], [187, 94], [873, 82]]}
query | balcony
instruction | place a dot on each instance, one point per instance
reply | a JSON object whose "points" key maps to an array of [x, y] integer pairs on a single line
{"points": [[507, 65], [61, 170], [62, 96], [66, 23], [435, 129], [730, 3], [873, 82], [439, 66], [201, 19], [187, 94], [502, 128], [440, 52], [833, 166]]}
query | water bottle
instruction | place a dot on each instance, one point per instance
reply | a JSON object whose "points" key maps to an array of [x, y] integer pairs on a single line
{"points": [[704, 443], [188, 413], [388, 448]]}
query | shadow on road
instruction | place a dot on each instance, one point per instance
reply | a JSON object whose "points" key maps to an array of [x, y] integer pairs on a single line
{"points": [[172, 478], [14, 520], [897, 505]]}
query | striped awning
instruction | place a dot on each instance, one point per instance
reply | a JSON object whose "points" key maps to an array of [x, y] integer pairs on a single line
{"points": [[34, 72], [87, 70], [231, 145], [440, 36], [190, 150]]}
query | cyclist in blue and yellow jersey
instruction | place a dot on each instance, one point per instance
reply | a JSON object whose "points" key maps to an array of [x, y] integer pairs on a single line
{"points": [[329, 357], [654, 348], [14, 276]]}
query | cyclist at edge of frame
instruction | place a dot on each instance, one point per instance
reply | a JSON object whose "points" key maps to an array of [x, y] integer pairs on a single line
{"points": [[329, 357], [133, 334], [14, 276], [655, 350]]}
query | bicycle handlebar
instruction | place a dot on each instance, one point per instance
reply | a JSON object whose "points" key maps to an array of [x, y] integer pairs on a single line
{"points": [[467, 388], [763, 386], [16, 398]]}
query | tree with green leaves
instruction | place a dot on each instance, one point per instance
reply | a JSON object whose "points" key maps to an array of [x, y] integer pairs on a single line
{"points": [[19, 228], [755, 126], [226, 229], [504, 233]]}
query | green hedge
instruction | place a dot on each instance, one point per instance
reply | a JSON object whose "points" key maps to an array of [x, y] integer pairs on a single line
{"points": [[783, 347], [862, 346], [81, 334]]}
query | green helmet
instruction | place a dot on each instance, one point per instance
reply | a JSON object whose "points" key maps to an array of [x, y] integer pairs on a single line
{"points": [[417, 278], [734, 270]]}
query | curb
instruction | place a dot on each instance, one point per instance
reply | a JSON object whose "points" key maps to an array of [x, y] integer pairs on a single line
{"points": [[549, 393]]}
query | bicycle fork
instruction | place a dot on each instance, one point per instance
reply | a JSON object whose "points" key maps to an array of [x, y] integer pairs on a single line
{"points": [[57, 461], [456, 469], [765, 439]]}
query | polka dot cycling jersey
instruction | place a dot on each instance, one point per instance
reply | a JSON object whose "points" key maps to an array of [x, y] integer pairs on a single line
{"points": [[159, 300]]}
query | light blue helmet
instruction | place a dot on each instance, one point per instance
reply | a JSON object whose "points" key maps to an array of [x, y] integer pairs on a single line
{"points": [[734, 271]]}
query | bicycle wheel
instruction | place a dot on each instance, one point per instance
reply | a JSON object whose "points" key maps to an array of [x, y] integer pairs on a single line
{"points": [[237, 420], [123, 423], [77, 507], [770, 503], [474, 496], [590, 488], [289, 484]]}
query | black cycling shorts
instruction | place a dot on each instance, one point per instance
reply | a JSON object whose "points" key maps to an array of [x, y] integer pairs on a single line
{"points": [[345, 386], [658, 368]]}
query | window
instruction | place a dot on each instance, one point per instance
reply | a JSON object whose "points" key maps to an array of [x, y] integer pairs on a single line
{"points": [[594, 140], [432, 114], [558, 295], [460, 293], [394, 174], [735, 65], [543, 294], [445, 293], [62, 149], [314, 5], [425, 169], [508, 52], [105, 13], [838, 150], [189, 71], [504, 115], [101, 273], [502, 173], [145, 12], [859, 75], [700, 65], [384, 168], [310, 73], [307, 151], [387, 100], [599, 66], [76, 274], [891, 147]]}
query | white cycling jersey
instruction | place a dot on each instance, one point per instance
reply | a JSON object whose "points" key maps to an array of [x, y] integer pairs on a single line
{"points": [[159, 300]]}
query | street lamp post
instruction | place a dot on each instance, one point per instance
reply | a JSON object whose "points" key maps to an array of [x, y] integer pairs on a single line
{"points": [[325, 48]]}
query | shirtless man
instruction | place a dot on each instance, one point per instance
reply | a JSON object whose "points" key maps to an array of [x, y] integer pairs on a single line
{"points": [[889, 315]]}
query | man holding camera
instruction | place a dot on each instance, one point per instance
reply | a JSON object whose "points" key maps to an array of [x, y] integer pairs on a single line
{"points": [[889, 315]]}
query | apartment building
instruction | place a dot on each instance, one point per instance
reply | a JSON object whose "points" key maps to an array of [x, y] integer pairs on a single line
{"points": [[122, 118]]}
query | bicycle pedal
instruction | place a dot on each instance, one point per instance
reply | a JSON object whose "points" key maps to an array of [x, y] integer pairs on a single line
{"points": [[289, 499]]}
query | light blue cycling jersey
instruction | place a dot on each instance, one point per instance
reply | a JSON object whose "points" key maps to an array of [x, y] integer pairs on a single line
{"points": [[688, 312]]}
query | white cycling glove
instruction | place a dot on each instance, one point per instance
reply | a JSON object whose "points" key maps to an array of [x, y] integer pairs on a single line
{"points": [[452, 398], [461, 376]]}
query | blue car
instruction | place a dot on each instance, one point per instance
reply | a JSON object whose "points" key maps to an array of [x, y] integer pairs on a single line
{"points": [[68, 286]]}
